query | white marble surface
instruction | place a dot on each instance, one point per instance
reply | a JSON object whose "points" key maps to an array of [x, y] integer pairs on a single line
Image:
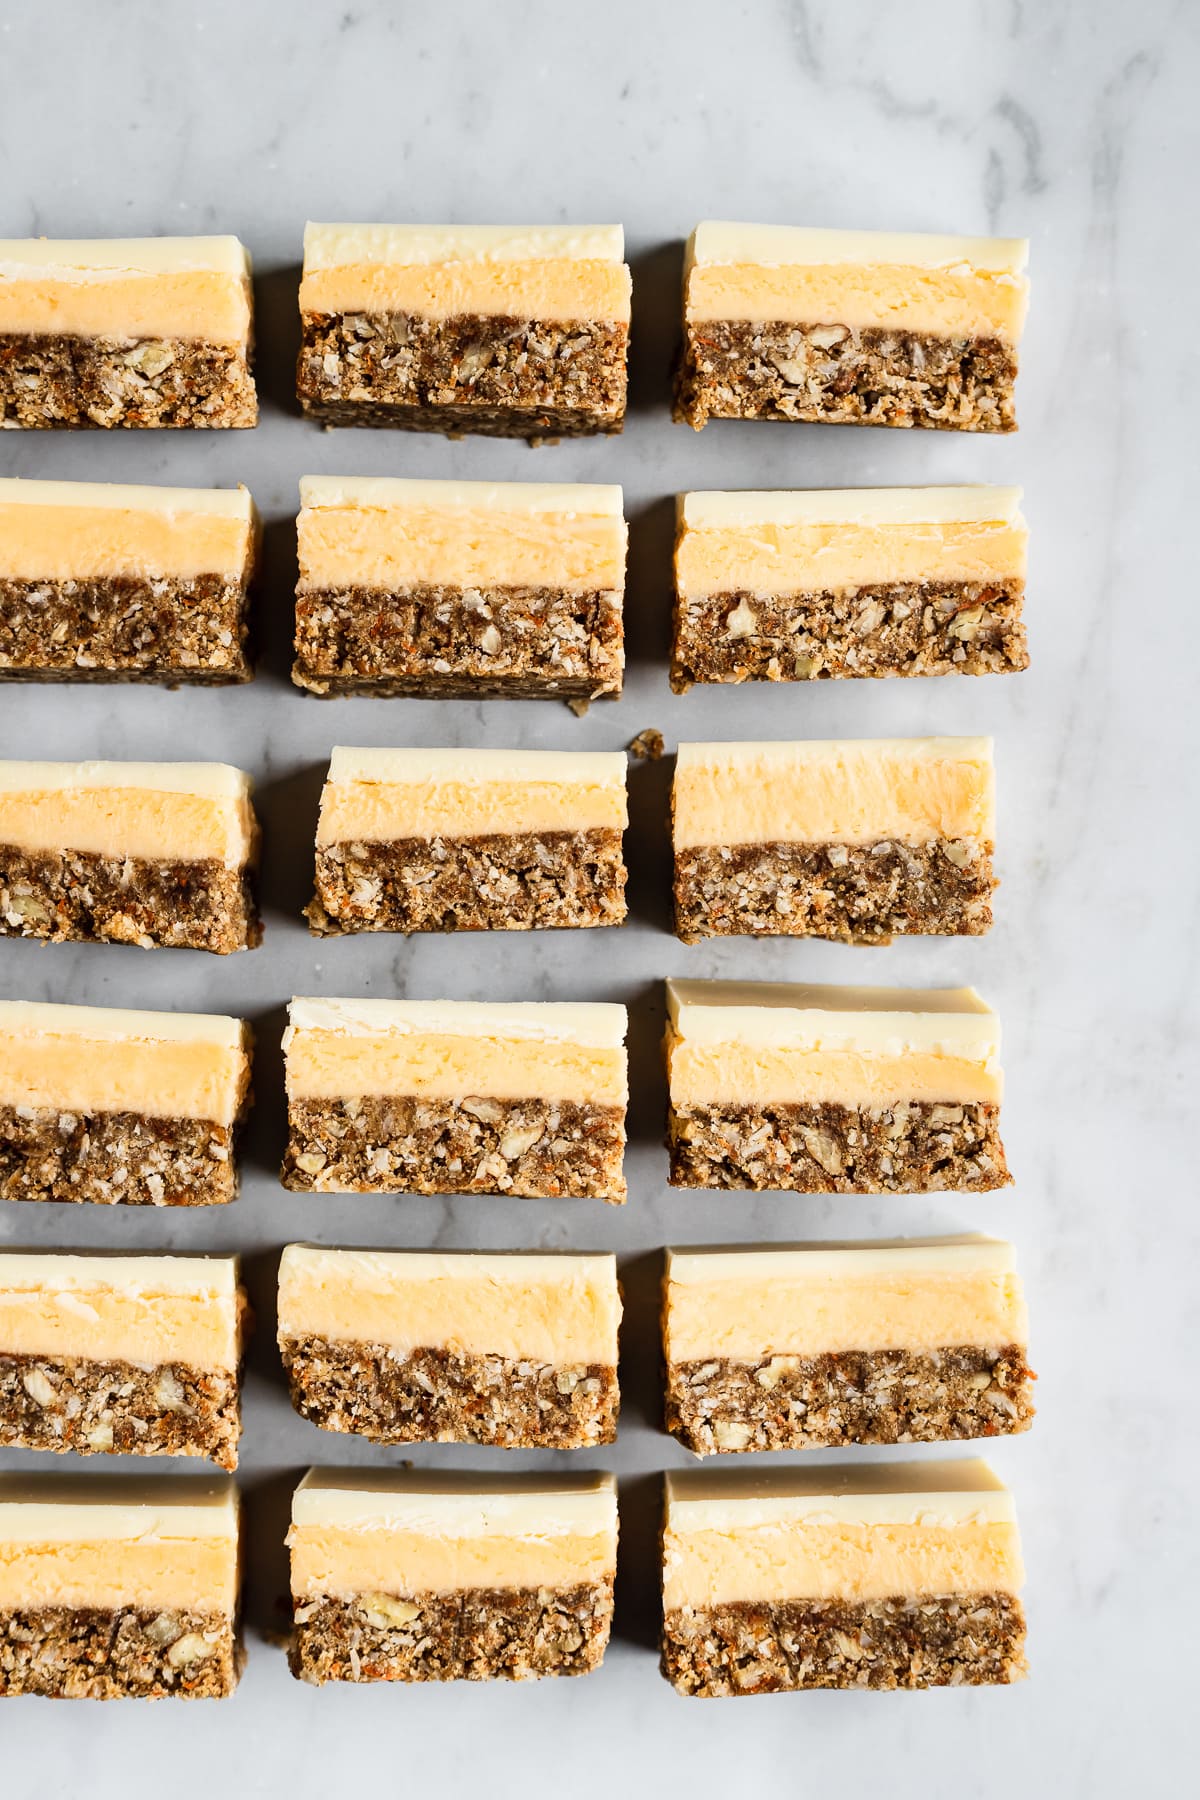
{"points": [[1071, 122]]}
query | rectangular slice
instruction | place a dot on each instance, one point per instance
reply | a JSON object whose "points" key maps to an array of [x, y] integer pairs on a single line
{"points": [[851, 327], [417, 1576], [848, 582], [833, 1090], [476, 589], [877, 1575], [426, 1346], [132, 1355], [130, 332], [120, 1108], [803, 1346], [153, 854], [106, 583], [505, 330], [118, 1589], [456, 1097], [470, 840], [853, 840]]}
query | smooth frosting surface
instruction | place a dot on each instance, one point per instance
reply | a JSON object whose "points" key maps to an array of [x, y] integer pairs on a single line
{"points": [[182, 812], [191, 288], [139, 1309], [64, 530]]}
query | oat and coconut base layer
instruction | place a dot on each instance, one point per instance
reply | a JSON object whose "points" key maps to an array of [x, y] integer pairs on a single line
{"points": [[509, 331], [129, 332], [879, 1575], [151, 854], [456, 1097], [808, 586], [470, 840], [106, 583], [417, 1576], [798, 1347], [426, 1346], [132, 1355], [853, 840], [850, 1090], [851, 327], [460, 588], [114, 1588], [120, 1108]]}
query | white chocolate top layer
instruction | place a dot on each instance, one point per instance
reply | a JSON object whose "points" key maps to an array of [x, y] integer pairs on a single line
{"points": [[959, 1491], [717, 511], [116, 1025], [456, 1504], [333, 246], [94, 1508], [533, 497], [78, 258], [229, 503], [702, 1267], [194, 1277], [797, 1016], [477, 766], [715, 242], [208, 780], [598, 1025]]}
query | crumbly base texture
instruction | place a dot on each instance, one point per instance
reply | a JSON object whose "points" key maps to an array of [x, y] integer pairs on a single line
{"points": [[446, 1397], [115, 1158], [125, 628], [403, 1144], [913, 1147], [829, 374], [476, 1634], [894, 628], [508, 882], [855, 1397], [119, 1408], [102, 1653], [100, 382], [854, 893], [499, 377], [70, 894], [918, 1641]]}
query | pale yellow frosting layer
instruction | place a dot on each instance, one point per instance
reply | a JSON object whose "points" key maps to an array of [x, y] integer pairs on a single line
{"points": [[158, 532], [191, 288], [181, 812], [331, 1561], [143, 1309], [469, 793], [69, 1061], [328, 1064], [750, 1075]]}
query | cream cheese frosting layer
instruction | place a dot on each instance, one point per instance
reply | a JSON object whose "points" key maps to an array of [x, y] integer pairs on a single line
{"points": [[140, 1309], [190, 288], [179, 812], [914, 790], [78, 530], [554, 1309]]}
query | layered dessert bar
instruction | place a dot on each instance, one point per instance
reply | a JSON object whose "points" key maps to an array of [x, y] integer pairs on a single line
{"points": [[799, 1347], [858, 841], [470, 840], [509, 331], [120, 1108], [132, 1355], [456, 1097], [425, 1346], [851, 582], [105, 583], [822, 1090], [416, 1576], [135, 331], [153, 854], [851, 327], [116, 1589], [460, 588], [876, 1575]]}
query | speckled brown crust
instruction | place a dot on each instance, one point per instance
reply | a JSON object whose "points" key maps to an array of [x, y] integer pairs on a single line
{"points": [[119, 1408], [923, 1641], [856, 893], [478, 1634], [125, 628], [500, 377], [518, 882], [828, 374], [91, 1653], [106, 899], [401, 1144], [115, 1158], [444, 1397], [444, 642], [914, 1147], [85, 382], [893, 628], [857, 1397]]}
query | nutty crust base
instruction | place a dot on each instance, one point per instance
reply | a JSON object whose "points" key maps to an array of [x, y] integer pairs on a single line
{"points": [[922, 1641], [853, 893], [98, 382], [523, 881], [446, 1397], [402, 1144], [125, 628], [119, 1408], [71, 894], [855, 1397], [477, 1634], [115, 1158], [126, 1653], [830, 375]]}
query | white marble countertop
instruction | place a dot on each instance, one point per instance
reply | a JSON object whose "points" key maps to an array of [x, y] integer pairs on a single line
{"points": [[1072, 123]]}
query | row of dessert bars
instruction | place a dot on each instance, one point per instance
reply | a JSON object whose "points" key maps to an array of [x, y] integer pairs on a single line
{"points": [[509, 590], [516, 331], [857, 841]]}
